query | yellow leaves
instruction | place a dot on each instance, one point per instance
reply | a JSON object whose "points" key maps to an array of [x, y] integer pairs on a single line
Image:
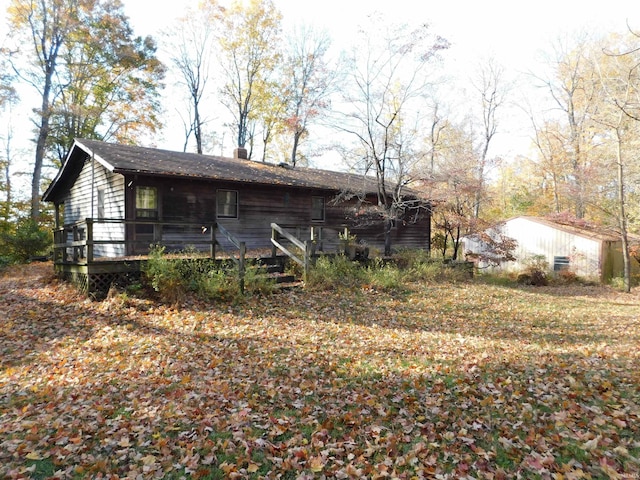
{"points": [[124, 442], [316, 464], [33, 456]]}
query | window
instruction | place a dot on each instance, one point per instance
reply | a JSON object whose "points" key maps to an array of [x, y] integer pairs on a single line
{"points": [[560, 263], [227, 202], [146, 202], [317, 209], [101, 203]]}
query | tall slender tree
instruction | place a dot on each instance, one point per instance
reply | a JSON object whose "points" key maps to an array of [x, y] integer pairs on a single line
{"points": [[619, 73], [493, 92], [44, 26], [249, 49], [309, 82], [192, 53], [573, 89]]}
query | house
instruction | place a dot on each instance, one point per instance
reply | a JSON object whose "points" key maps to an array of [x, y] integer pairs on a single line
{"points": [[135, 197], [587, 251]]}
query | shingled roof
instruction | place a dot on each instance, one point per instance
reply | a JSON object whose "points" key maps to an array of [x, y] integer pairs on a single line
{"points": [[132, 160]]}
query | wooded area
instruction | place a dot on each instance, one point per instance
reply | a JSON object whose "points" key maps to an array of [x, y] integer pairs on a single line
{"points": [[379, 104]]}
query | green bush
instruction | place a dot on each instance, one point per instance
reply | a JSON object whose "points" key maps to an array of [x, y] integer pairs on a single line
{"points": [[173, 278], [165, 276], [27, 240], [384, 276], [335, 272], [218, 283]]}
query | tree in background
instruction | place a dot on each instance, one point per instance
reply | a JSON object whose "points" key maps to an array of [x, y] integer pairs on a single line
{"points": [[8, 99], [44, 26], [308, 82], [390, 75], [110, 81], [574, 90], [250, 49], [453, 185], [619, 115], [493, 92], [192, 52], [93, 78]]}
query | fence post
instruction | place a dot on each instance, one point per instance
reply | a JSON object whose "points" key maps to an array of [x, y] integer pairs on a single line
{"points": [[307, 258], [241, 265]]}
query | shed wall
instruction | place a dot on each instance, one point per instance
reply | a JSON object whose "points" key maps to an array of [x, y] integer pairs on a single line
{"points": [[538, 239]]}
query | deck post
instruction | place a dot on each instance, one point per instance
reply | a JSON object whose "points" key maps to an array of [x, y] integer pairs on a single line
{"points": [[76, 237], [89, 222]]}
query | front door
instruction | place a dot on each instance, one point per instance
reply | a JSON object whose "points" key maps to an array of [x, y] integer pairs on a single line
{"points": [[146, 216]]}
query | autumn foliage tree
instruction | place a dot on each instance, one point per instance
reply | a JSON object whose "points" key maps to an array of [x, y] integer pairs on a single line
{"points": [[308, 82], [391, 71], [92, 76], [249, 49]]}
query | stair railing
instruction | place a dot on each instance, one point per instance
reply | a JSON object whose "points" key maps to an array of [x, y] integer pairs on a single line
{"points": [[307, 247]]}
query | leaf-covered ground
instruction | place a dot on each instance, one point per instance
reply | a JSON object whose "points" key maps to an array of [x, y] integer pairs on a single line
{"points": [[462, 380]]}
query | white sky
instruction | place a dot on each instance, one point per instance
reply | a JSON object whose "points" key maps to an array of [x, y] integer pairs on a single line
{"points": [[514, 32], [511, 31]]}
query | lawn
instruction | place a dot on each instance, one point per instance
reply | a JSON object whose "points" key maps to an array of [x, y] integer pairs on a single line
{"points": [[441, 380]]}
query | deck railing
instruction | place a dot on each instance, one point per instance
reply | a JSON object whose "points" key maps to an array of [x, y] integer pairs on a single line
{"points": [[79, 241]]}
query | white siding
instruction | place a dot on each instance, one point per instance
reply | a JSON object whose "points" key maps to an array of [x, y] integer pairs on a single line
{"points": [[82, 202], [539, 239]]}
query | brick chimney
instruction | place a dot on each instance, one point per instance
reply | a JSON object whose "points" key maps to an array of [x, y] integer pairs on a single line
{"points": [[240, 153]]}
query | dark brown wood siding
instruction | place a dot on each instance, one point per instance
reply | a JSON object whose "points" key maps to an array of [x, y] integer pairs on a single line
{"points": [[259, 206]]}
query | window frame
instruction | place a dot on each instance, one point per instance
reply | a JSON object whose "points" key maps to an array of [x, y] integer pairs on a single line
{"points": [[100, 200], [219, 204], [145, 213], [314, 198], [561, 263]]}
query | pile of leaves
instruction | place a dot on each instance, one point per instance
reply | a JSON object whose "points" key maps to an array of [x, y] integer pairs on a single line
{"points": [[463, 380]]}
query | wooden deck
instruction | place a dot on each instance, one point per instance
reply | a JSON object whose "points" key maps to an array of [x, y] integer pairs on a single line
{"points": [[77, 249]]}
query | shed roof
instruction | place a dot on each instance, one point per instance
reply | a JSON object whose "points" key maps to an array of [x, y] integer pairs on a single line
{"points": [[589, 231], [129, 159]]}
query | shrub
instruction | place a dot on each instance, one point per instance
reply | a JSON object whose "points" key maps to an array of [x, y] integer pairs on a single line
{"points": [[333, 272], [165, 276], [256, 281], [384, 276], [27, 240], [219, 283], [535, 272]]}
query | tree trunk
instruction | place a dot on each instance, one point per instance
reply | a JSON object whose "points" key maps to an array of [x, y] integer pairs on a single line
{"points": [[294, 149], [387, 236], [43, 134], [622, 216]]}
